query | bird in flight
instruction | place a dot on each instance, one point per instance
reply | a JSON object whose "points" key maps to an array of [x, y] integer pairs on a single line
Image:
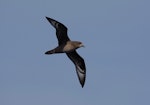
{"points": [[65, 45]]}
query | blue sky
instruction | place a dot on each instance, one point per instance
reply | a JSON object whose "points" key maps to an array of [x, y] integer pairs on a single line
{"points": [[116, 34]]}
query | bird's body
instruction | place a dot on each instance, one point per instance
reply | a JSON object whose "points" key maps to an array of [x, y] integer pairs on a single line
{"points": [[66, 48], [65, 45]]}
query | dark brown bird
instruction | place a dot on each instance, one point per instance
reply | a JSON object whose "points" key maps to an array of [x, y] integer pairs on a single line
{"points": [[65, 45]]}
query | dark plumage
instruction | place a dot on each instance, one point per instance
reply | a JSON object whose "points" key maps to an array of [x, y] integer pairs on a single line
{"points": [[69, 47]]}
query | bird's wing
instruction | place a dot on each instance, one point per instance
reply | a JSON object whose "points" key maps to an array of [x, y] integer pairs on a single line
{"points": [[61, 31], [79, 64]]}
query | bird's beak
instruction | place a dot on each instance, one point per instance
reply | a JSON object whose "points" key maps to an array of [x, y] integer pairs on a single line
{"points": [[81, 45]]}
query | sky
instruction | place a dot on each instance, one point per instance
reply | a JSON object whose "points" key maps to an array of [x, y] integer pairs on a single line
{"points": [[116, 35]]}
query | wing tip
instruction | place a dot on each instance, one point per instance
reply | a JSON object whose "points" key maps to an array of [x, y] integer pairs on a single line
{"points": [[46, 17], [82, 81], [81, 78], [82, 84], [49, 19], [81, 75]]}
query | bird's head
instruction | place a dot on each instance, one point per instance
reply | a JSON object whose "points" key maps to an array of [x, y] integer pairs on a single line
{"points": [[81, 44], [78, 44]]}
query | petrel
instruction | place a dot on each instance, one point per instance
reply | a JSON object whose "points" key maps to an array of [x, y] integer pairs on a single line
{"points": [[65, 45]]}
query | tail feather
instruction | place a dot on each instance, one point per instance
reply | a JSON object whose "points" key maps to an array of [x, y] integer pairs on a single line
{"points": [[50, 52]]}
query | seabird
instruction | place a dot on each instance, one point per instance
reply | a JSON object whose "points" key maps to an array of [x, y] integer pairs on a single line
{"points": [[65, 45]]}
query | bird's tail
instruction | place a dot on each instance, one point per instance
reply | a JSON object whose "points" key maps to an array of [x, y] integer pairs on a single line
{"points": [[50, 52]]}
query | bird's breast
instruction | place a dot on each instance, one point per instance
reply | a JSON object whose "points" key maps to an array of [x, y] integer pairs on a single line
{"points": [[68, 48]]}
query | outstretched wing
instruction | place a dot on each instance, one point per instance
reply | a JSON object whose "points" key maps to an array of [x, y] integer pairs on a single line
{"points": [[79, 64], [61, 31]]}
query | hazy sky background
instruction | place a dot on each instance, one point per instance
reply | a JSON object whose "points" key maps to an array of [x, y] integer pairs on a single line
{"points": [[116, 34]]}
